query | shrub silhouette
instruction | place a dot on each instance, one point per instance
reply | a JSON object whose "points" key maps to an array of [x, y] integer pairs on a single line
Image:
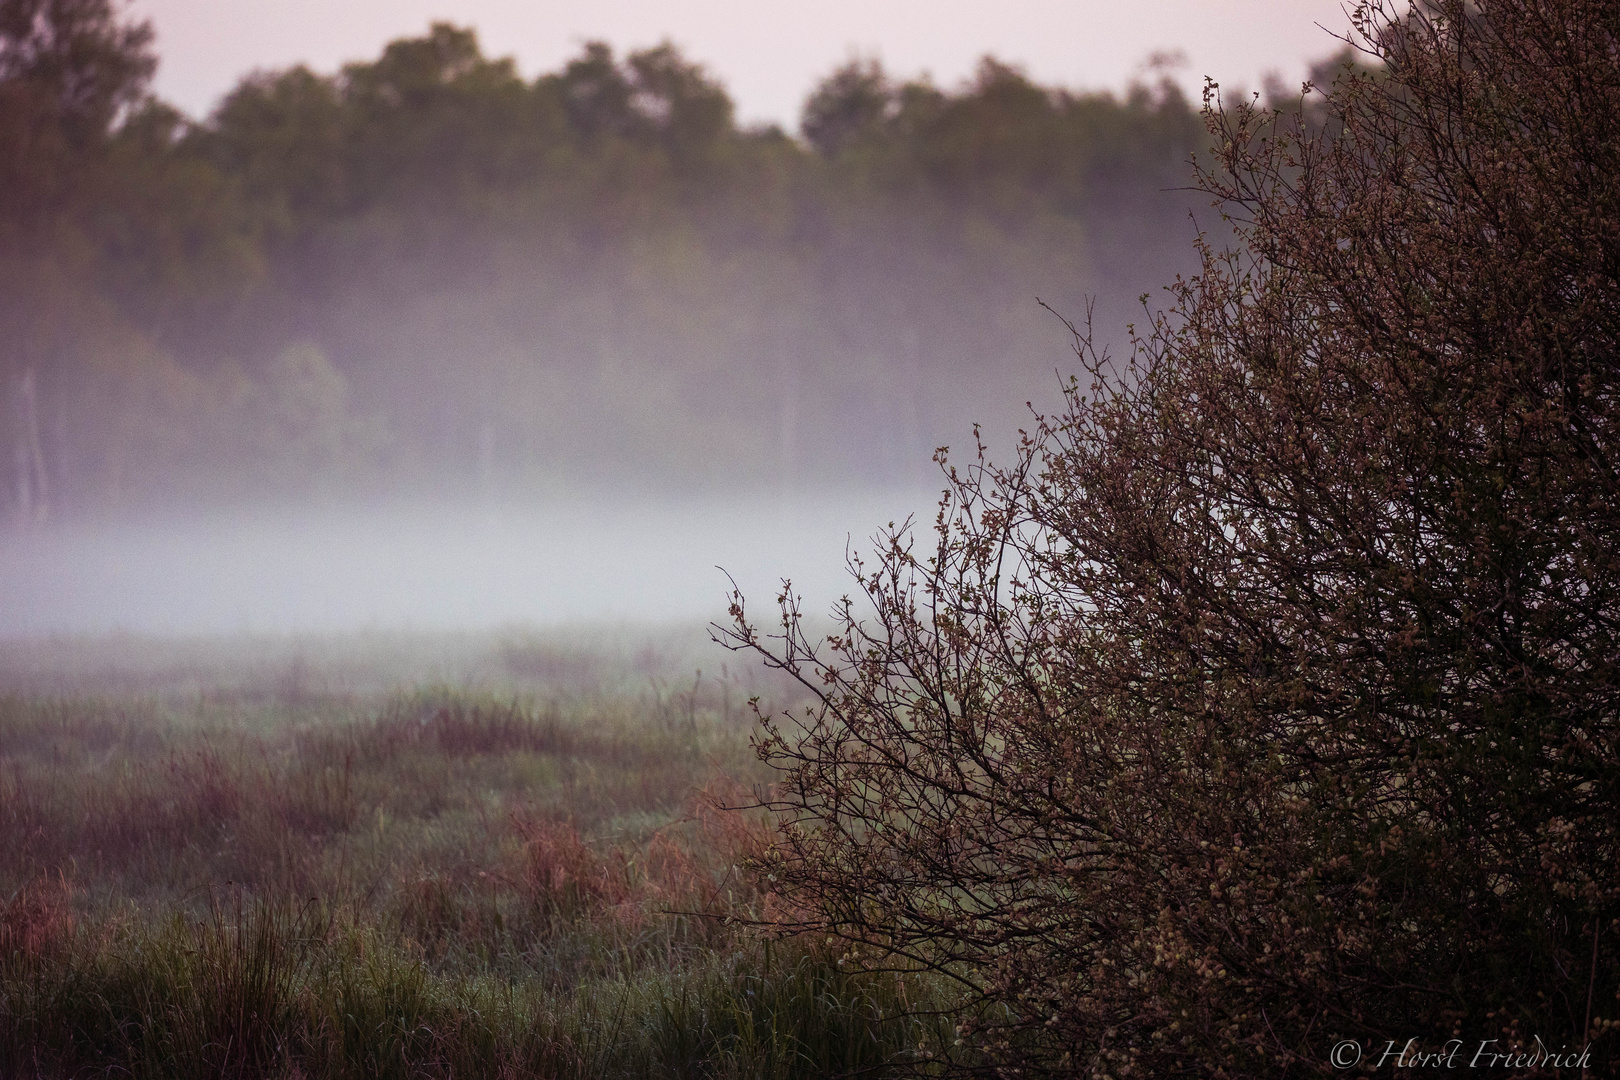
{"points": [[1268, 698]]}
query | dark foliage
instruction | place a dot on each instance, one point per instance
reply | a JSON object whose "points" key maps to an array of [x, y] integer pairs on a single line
{"points": [[1269, 698]]}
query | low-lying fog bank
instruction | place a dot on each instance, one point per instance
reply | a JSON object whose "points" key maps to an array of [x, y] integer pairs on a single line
{"points": [[438, 568]]}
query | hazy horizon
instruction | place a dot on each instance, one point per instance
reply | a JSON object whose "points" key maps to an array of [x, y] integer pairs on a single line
{"points": [[445, 344]]}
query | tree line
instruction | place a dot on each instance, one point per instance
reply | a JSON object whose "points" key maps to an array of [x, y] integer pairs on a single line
{"points": [[426, 272]]}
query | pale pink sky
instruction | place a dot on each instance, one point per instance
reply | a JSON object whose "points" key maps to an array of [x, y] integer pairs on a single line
{"points": [[767, 54]]}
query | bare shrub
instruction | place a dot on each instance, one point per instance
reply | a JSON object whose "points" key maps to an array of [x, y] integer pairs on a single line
{"points": [[1271, 696]]}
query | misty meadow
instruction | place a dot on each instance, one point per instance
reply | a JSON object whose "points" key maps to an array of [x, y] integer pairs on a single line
{"points": [[1232, 691]]}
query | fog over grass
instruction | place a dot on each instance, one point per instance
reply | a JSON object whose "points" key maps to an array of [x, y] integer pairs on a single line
{"points": [[422, 567]]}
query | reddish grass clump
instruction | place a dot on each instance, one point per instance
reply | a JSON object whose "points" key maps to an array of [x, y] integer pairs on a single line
{"points": [[563, 876], [36, 922]]}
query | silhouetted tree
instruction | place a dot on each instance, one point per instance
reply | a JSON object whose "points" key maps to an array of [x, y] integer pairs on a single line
{"points": [[598, 94], [851, 104], [1271, 696], [72, 65], [690, 112], [68, 69]]}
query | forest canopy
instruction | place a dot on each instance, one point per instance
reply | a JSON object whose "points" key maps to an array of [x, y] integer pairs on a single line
{"points": [[426, 273]]}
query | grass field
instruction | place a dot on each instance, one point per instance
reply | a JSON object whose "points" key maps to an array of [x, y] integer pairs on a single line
{"points": [[395, 856]]}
